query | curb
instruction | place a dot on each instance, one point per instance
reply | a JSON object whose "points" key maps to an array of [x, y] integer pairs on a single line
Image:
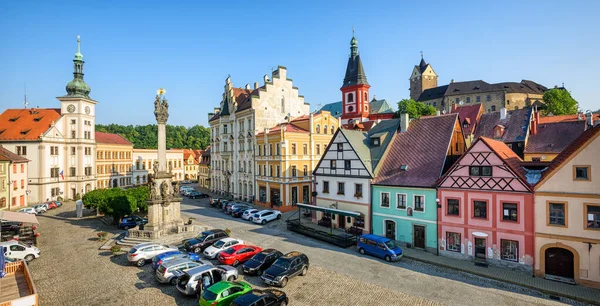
{"points": [[546, 291]]}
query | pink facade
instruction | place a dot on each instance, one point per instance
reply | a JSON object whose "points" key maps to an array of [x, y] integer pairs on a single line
{"points": [[486, 207]]}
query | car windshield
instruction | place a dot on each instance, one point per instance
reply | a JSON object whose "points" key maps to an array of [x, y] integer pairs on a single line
{"points": [[209, 295], [229, 251], [132, 250], [282, 263], [390, 244], [260, 257], [202, 236], [219, 244]]}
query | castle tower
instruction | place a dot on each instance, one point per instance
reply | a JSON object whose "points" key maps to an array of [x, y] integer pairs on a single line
{"points": [[355, 90], [422, 78]]}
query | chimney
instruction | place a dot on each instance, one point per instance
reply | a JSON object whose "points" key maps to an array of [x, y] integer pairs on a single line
{"points": [[452, 81], [580, 116], [266, 78], [437, 112], [503, 113], [247, 86], [454, 107], [374, 97], [590, 120], [255, 85], [536, 121], [403, 122]]}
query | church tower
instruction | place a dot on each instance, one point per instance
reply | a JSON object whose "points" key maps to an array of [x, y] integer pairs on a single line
{"points": [[422, 78], [355, 90]]}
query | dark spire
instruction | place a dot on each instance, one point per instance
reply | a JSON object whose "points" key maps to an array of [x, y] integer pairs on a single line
{"points": [[422, 64], [77, 87], [355, 73]]}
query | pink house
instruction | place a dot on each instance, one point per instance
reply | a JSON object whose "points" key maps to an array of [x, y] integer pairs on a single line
{"points": [[485, 210]]}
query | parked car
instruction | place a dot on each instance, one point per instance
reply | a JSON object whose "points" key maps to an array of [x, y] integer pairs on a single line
{"points": [[40, 208], [212, 251], [222, 204], [214, 201], [237, 206], [249, 213], [267, 297], [58, 203], [237, 254], [239, 211], [172, 255], [132, 221], [227, 207], [143, 252], [262, 217], [191, 282], [52, 205], [28, 210], [286, 267], [197, 195], [204, 240], [223, 293], [260, 262], [46, 206], [19, 250], [164, 272], [381, 247]]}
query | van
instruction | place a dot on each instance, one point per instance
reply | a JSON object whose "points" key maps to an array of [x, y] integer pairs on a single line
{"points": [[379, 246], [19, 250]]}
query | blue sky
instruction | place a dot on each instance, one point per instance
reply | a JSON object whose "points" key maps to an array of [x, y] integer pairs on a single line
{"points": [[131, 48]]}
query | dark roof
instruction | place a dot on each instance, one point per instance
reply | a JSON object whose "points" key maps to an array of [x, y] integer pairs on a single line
{"points": [[470, 114], [244, 99], [468, 87], [433, 93], [422, 148], [554, 137], [109, 138], [582, 141], [516, 125], [422, 65], [355, 73], [380, 107], [510, 158], [7, 155]]}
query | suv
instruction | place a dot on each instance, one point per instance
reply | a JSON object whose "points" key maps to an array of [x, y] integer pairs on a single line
{"points": [[265, 216], [204, 240], [191, 282], [143, 252], [261, 261], [268, 297], [164, 273], [286, 267]]}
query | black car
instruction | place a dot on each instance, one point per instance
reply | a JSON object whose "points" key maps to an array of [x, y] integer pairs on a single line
{"points": [[261, 261], [204, 240], [239, 211], [256, 297], [286, 267], [197, 195]]}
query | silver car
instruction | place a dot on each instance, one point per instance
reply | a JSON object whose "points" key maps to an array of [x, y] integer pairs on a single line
{"points": [[249, 213], [188, 282], [144, 252], [164, 273], [41, 208]]}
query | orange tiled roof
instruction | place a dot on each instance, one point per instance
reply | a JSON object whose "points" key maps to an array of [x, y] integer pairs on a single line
{"points": [[26, 124], [565, 118], [507, 155], [109, 138]]}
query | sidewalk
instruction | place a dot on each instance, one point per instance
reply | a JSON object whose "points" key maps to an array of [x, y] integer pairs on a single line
{"points": [[575, 292]]}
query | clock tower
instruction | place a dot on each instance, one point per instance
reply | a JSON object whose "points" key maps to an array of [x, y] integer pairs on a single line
{"points": [[355, 90]]}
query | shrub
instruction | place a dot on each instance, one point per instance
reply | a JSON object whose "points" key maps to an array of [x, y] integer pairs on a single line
{"points": [[115, 249], [228, 231], [102, 235], [59, 198], [77, 196]]}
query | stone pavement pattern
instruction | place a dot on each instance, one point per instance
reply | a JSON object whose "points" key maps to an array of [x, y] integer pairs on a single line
{"points": [[72, 271]]}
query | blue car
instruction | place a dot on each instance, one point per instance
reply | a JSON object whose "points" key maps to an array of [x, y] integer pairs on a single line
{"points": [[161, 258], [131, 222], [379, 246]]}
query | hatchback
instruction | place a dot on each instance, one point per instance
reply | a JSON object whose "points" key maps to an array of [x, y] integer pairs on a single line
{"points": [[19, 250], [143, 252], [165, 272], [239, 211], [249, 213], [265, 216], [212, 251], [28, 210], [52, 205], [267, 297], [237, 254], [40, 208], [223, 293]]}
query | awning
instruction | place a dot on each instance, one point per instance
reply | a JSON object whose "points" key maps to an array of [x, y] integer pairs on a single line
{"points": [[18, 217], [479, 234], [330, 210]]}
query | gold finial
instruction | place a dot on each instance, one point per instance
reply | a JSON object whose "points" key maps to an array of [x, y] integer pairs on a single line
{"points": [[161, 91]]}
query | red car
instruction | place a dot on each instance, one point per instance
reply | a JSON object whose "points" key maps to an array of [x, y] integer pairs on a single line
{"points": [[238, 254], [52, 205]]}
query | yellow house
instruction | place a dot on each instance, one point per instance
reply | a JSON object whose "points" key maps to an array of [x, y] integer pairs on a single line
{"points": [[113, 161], [286, 155], [13, 180], [567, 214], [190, 169], [204, 169]]}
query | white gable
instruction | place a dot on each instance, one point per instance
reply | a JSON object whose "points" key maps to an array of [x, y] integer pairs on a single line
{"points": [[341, 156]]}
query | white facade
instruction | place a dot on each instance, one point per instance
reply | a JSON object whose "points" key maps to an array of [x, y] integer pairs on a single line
{"points": [[233, 132], [143, 161]]}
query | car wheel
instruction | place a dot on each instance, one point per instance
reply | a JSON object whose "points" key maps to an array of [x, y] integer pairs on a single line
{"points": [[235, 263], [362, 251], [197, 250], [249, 219], [283, 303], [29, 258], [125, 227], [278, 217], [231, 278], [141, 262], [388, 258], [304, 271], [173, 281], [283, 282], [263, 222]]}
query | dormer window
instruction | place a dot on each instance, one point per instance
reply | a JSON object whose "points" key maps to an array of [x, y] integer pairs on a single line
{"points": [[498, 131], [404, 167], [466, 123], [13, 119], [375, 141], [24, 132], [37, 119]]}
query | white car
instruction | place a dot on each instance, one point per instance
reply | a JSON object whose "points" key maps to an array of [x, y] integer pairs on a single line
{"points": [[19, 250], [212, 251], [144, 252], [28, 210], [40, 208], [264, 216], [249, 213]]}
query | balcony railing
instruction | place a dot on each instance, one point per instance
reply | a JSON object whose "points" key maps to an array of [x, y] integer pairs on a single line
{"points": [[24, 291]]}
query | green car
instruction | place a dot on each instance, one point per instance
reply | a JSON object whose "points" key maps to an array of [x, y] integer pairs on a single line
{"points": [[223, 293]]}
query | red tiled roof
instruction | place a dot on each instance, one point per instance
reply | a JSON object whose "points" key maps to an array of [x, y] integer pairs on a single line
{"points": [[566, 118], [554, 137], [289, 128], [471, 114], [108, 138], [422, 148], [27, 124], [7, 155], [509, 157], [363, 126], [582, 141]]}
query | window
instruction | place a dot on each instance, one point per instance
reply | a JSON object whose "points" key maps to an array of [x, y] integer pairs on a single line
{"points": [[509, 212], [582, 173], [366, 97], [453, 207], [22, 168], [358, 190], [305, 149], [271, 149], [341, 187], [434, 104], [278, 172], [536, 159], [350, 108], [73, 134], [22, 184], [385, 199], [478, 99], [73, 150], [325, 187], [468, 99], [332, 164], [457, 100], [347, 164], [375, 141], [293, 149], [305, 170], [593, 216], [53, 150], [480, 209], [318, 129], [419, 203], [340, 147], [453, 242], [509, 250], [350, 97], [225, 129], [258, 150], [271, 171], [507, 102], [325, 129], [318, 149], [88, 171], [73, 121], [488, 98], [21, 150], [480, 170], [332, 130], [493, 108], [401, 201], [88, 151], [283, 104], [278, 149], [557, 214], [294, 171], [54, 172], [72, 171]]}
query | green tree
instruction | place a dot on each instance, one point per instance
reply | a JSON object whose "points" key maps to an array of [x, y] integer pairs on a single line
{"points": [[139, 196], [414, 109], [145, 136], [559, 102]]}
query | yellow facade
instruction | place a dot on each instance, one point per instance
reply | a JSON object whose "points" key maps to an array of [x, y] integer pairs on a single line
{"points": [[204, 169], [544, 157], [286, 156], [190, 168], [113, 165]]}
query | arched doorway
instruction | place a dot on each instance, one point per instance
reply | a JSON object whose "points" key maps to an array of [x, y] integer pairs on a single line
{"points": [[559, 262], [115, 183], [88, 188]]}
